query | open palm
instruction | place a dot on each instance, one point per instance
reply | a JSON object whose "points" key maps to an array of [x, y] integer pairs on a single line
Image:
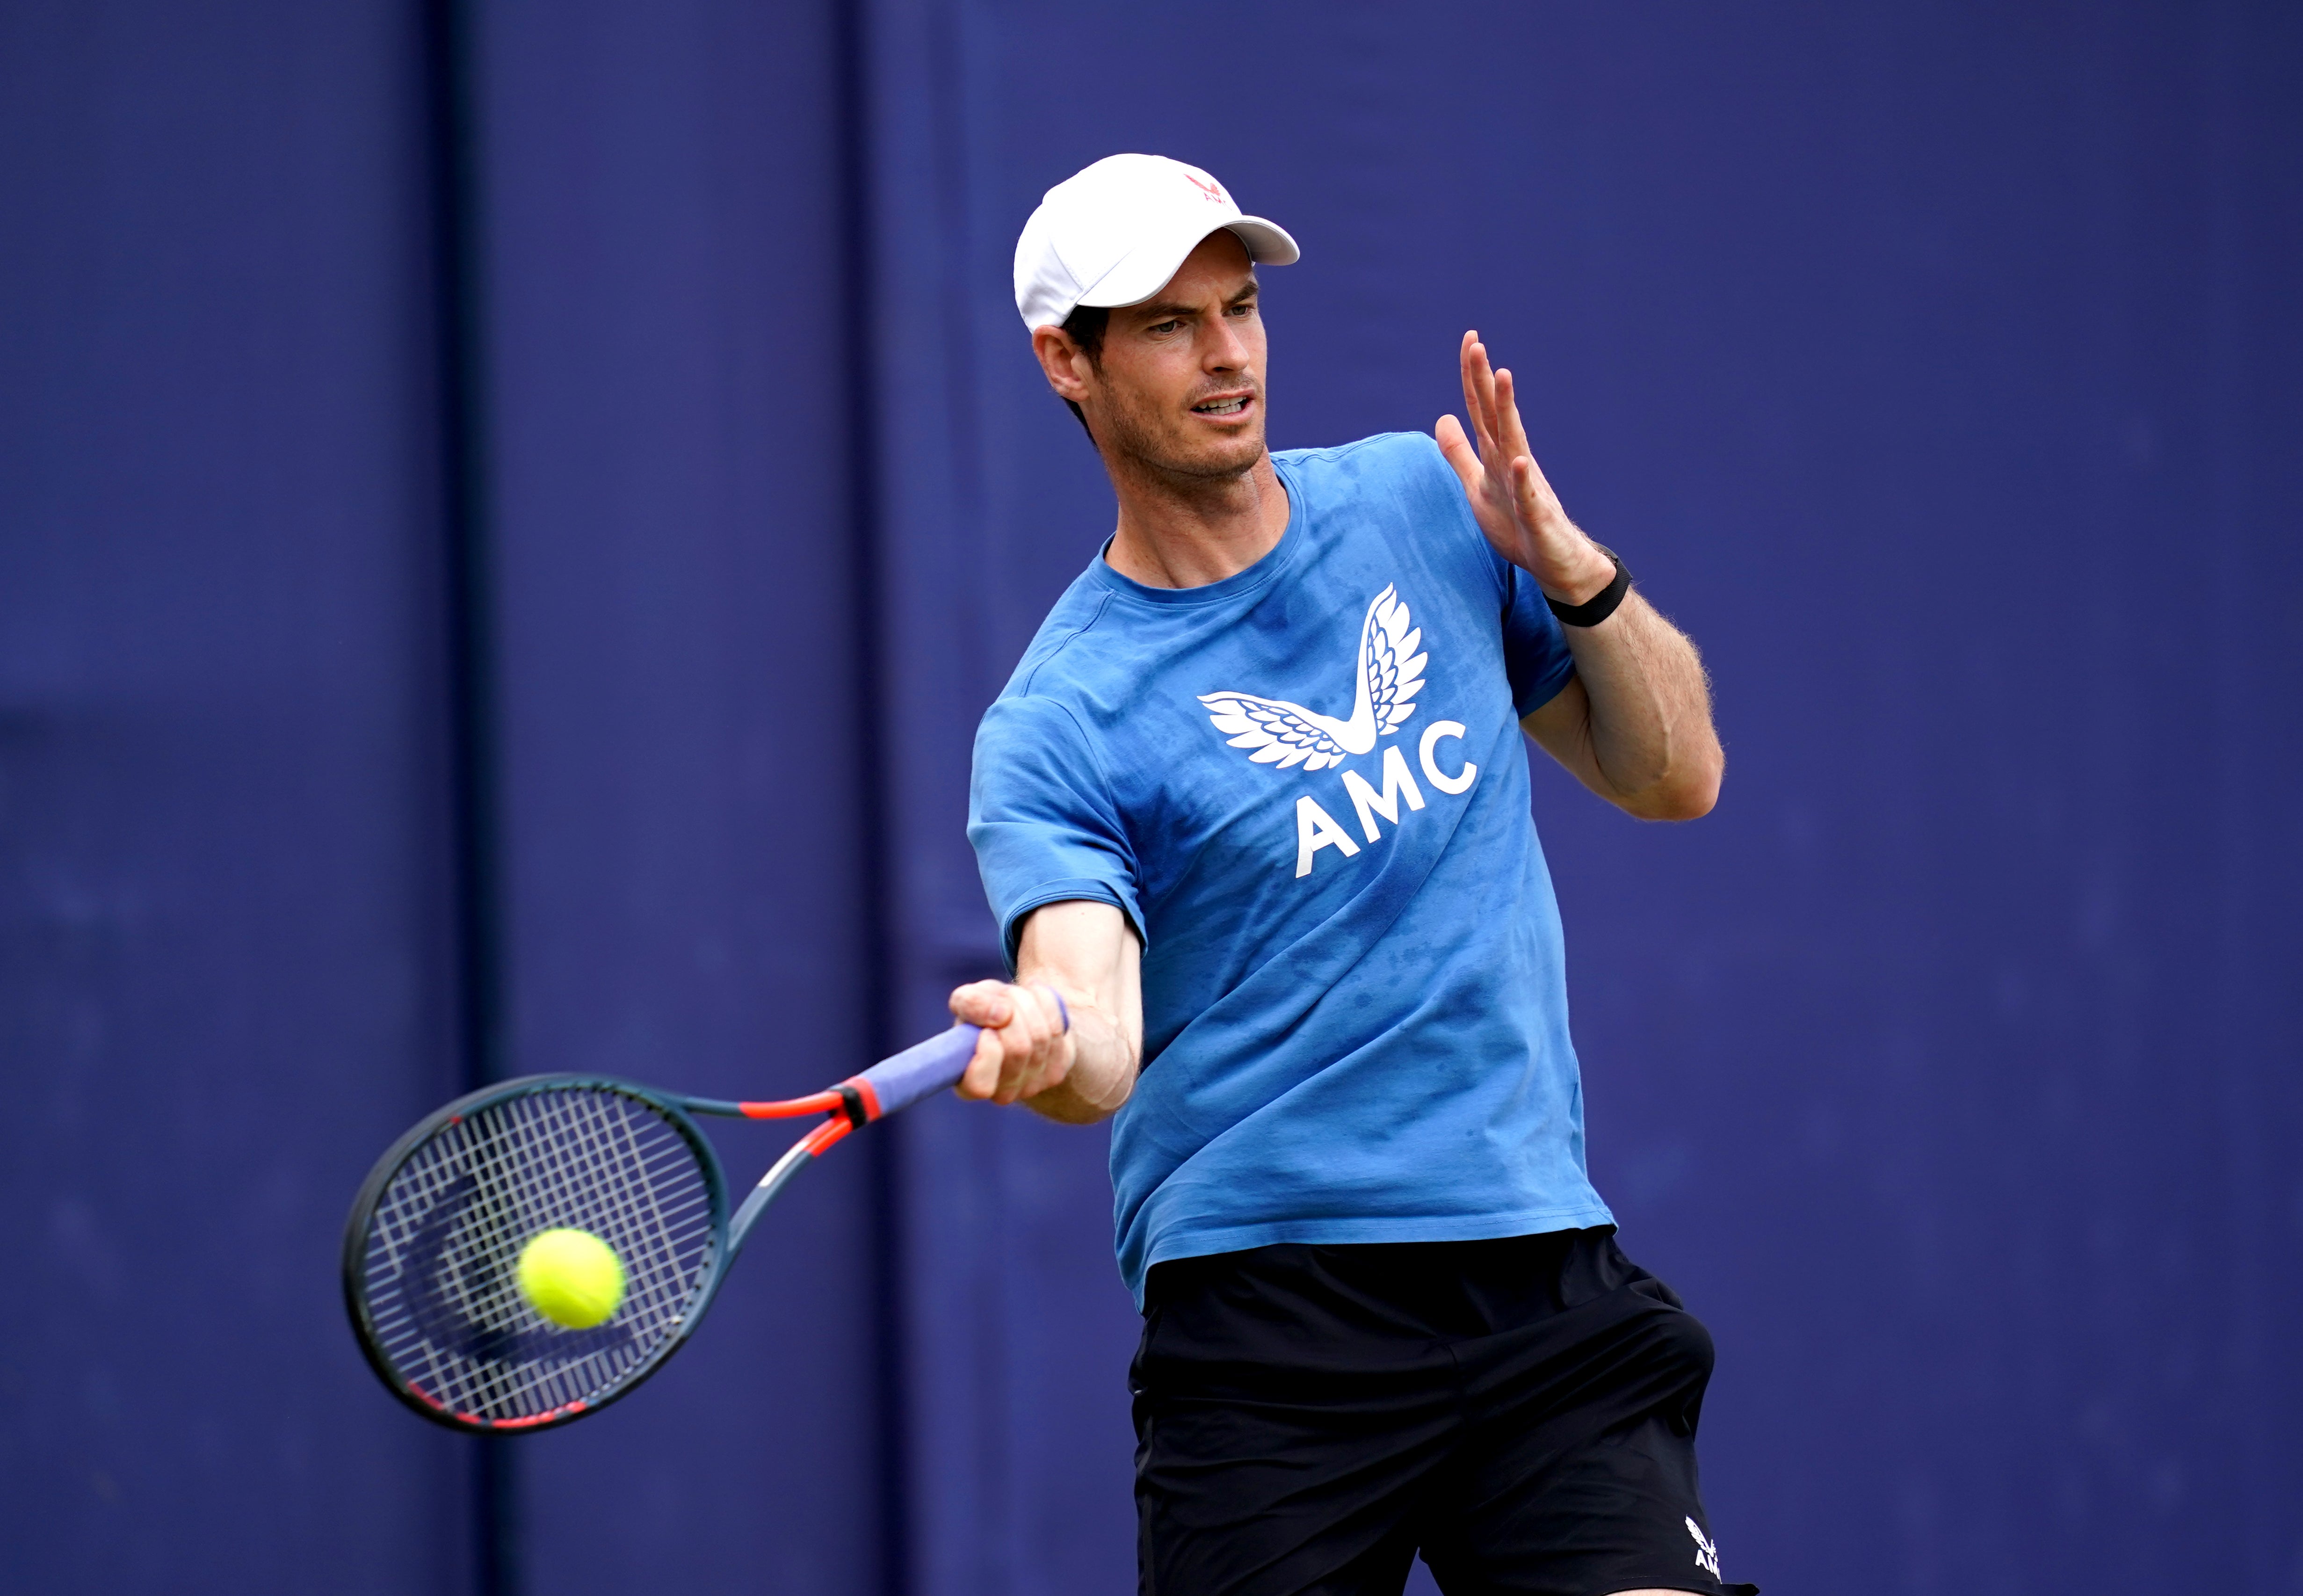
{"points": [[1508, 495]]}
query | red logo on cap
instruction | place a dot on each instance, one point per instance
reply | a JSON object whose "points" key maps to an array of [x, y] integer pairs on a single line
{"points": [[1213, 190]]}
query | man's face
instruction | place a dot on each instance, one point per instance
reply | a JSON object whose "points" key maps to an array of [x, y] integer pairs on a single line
{"points": [[1180, 382]]}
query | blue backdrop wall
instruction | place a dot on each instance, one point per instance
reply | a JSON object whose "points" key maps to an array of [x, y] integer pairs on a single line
{"points": [[1934, 367], [226, 848]]}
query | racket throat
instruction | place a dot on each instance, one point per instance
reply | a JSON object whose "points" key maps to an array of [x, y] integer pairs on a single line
{"points": [[780, 1173]]}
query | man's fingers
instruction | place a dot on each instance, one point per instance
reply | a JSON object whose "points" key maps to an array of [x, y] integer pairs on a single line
{"points": [[1019, 1038], [982, 1003], [1022, 1050], [1510, 433], [1483, 388], [1448, 434], [1026, 1042], [1503, 447], [1463, 364], [981, 1079], [990, 1006], [1527, 492], [1475, 405], [1049, 1016], [1043, 1068], [1532, 491], [1052, 1061]]}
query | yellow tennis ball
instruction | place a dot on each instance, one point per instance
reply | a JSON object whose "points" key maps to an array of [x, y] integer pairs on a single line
{"points": [[572, 1277]]}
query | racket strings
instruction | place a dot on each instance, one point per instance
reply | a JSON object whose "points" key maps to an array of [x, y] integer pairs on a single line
{"points": [[444, 1248]]}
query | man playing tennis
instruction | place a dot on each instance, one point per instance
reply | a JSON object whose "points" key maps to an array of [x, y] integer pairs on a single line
{"points": [[1255, 807]]}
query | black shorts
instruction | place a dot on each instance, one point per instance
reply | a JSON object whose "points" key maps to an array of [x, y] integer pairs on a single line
{"points": [[1522, 1411]]}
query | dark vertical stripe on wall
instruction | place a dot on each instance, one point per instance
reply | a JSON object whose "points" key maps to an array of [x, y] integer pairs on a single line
{"points": [[891, 1411], [451, 84]]}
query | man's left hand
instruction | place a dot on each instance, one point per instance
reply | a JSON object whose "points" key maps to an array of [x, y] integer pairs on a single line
{"points": [[1510, 499]]}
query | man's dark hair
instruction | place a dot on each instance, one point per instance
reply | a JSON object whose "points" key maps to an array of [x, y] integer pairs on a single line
{"points": [[1085, 327]]}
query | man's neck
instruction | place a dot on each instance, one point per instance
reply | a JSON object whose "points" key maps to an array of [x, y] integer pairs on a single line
{"points": [[1187, 533]]}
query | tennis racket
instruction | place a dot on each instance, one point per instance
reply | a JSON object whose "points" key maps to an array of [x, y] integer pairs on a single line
{"points": [[434, 1243]]}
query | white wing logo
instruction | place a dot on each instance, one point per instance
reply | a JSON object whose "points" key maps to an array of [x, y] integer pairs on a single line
{"points": [[1285, 735], [1707, 1550]]}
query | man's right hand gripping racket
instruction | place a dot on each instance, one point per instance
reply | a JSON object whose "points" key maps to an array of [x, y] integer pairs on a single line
{"points": [[433, 1249]]}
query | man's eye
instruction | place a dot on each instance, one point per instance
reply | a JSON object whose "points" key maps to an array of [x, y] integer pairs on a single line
{"points": [[1163, 327], [1246, 309]]}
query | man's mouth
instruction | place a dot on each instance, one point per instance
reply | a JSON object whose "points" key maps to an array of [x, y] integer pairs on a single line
{"points": [[1231, 406]]}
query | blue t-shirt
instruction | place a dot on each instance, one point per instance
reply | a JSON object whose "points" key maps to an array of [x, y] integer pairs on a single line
{"points": [[1305, 786]]}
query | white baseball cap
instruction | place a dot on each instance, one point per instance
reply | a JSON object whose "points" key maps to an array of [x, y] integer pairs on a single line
{"points": [[1114, 233]]}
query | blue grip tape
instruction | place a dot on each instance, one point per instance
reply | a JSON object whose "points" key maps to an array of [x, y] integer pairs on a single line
{"points": [[920, 1071], [934, 1064]]}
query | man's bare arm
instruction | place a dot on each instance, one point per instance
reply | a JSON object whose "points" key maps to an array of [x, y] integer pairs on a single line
{"points": [[1087, 952], [1635, 724]]}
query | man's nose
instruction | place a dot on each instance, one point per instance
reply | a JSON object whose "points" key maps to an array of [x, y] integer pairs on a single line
{"points": [[1227, 347]]}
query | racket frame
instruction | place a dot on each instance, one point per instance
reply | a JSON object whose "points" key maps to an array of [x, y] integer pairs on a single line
{"points": [[678, 1112], [893, 1084]]}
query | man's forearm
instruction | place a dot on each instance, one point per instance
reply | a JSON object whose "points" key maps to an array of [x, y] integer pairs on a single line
{"points": [[1635, 727]]}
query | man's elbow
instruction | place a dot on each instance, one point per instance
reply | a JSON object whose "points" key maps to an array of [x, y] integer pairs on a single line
{"points": [[1688, 794]]}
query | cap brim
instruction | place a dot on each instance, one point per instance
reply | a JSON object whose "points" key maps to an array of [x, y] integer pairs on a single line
{"points": [[1146, 272], [1268, 243]]}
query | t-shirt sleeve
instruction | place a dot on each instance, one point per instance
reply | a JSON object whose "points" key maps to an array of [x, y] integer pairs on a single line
{"points": [[1041, 816], [1535, 650]]}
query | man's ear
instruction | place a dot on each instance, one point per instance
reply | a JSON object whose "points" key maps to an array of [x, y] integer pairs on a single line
{"points": [[1065, 363]]}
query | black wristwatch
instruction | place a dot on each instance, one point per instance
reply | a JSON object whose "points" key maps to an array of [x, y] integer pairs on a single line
{"points": [[1601, 604]]}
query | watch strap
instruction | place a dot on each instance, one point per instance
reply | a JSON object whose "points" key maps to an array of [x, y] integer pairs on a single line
{"points": [[1601, 604]]}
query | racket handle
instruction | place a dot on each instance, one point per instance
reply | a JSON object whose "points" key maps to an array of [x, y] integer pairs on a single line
{"points": [[919, 1071], [926, 1068]]}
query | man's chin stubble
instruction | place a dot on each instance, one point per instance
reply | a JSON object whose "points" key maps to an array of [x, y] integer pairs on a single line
{"points": [[1236, 458]]}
